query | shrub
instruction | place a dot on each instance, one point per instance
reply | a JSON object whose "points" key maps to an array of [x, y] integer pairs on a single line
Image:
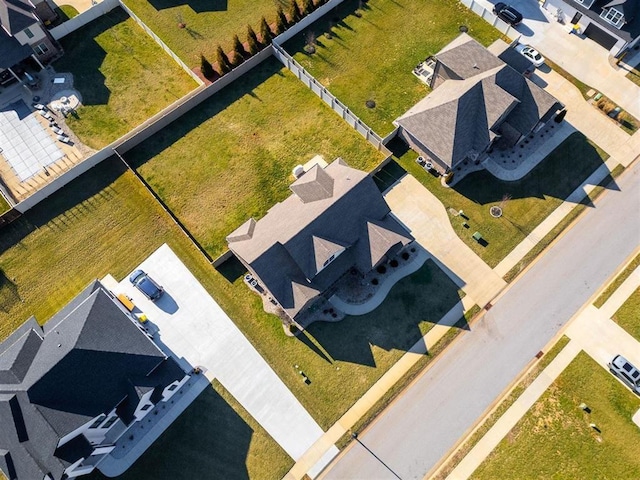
{"points": [[239, 51], [393, 263], [294, 12], [252, 41], [205, 68], [374, 281], [405, 255], [266, 35], [281, 21], [307, 7], [224, 65], [381, 269]]}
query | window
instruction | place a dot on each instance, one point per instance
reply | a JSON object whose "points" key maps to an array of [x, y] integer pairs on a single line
{"points": [[110, 422], [146, 407], [612, 16], [41, 49], [98, 421], [28, 33], [329, 260]]}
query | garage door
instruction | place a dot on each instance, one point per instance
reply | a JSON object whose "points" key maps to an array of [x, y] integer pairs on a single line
{"points": [[598, 35]]}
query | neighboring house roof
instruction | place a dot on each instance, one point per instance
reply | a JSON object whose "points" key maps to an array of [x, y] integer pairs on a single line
{"points": [[11, 52], [460, 118], [87, 360], [335, 219], [16, 15], [630, 8]]}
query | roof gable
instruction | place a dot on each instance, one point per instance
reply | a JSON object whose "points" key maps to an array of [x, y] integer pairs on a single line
{"points": [[16, 15]]}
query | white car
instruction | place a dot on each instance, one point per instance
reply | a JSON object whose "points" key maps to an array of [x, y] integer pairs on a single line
{"points": [[531, 54]]}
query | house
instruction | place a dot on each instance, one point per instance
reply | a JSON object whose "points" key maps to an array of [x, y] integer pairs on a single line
{"points": [[23, 34], [335, 220], [614, 24], [70, 389], [478, 102]]}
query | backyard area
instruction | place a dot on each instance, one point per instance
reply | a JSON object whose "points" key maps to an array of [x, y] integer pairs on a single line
{"points": [[231, 157], [525, 203], [627, 315], [124, 77], [206, 24], [214, 436], [555, 435], [412, 31]]}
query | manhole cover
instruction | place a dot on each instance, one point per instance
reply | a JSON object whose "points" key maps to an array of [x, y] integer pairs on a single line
{"points": [[495, 211]]}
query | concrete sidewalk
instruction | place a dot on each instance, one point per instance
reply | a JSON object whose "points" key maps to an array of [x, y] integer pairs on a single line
{"points": [[320, 448]]}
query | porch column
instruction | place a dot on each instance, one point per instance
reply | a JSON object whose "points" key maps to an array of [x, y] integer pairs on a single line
{"points": [[33, 55], [16, 76]]}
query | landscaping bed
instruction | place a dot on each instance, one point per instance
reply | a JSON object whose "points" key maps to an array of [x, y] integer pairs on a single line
{"points": [[124, 77], [231, 157], [375, 45], [556, 436], [525, 202], [215, 436], [627, 315]]}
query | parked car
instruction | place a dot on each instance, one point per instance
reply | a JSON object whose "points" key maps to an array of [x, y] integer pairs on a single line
{"points": [[531, 54], [626, 372], [146, 285], [507, 13]]}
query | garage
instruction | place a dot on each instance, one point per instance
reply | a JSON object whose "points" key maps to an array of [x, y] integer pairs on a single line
{"points": [[599, 36]]}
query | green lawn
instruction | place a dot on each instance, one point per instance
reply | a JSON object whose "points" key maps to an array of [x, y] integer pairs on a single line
{"points": [[554, 439], [231, 157], [124, 77], [105, 222], [372, 57], [634, 74], [208, 23], [4, 206], [533, 197], [628, 315], [214, 438]]}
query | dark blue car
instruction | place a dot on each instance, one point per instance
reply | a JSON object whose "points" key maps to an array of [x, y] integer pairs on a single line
{"points": [[146, 285]]}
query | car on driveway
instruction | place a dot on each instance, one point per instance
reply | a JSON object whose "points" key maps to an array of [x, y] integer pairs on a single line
{"points": [[507, 13], [626, 372], [530, 54], [146, 285]]}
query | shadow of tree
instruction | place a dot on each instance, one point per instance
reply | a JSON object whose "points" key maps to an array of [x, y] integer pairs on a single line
{"points": [[208, 438], [412, 304], [9, 295]]}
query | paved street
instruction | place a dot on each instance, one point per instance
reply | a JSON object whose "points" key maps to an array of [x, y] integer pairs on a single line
{"points": [[427, 421]]}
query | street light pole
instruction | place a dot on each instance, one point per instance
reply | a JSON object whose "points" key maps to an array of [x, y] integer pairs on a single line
{"points": [[354, 435]]}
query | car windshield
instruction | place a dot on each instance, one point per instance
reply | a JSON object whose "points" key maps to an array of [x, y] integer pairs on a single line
{"points": [[147, 287]]}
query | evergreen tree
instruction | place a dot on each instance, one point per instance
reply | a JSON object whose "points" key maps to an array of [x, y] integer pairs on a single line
{"points": [[224, 66], [294, 12], [281, 21], [252, 41], [239, 50], [265, 32], [307, 6], [205, 68]]}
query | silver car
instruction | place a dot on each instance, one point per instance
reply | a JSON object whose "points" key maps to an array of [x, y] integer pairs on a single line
{"points": [[626, 372]]}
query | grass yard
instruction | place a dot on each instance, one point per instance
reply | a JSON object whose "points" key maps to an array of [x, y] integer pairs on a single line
{"points": [[124, 77], [619, 280], [208, 23], [554, 439], [106, 222], [628, 316], [372, 57], [533, 197], [634, 74], [231, 157], [214, 438], [4, 205]]}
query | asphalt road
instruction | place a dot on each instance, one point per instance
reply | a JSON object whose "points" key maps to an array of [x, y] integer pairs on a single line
{"points": [[409, 439]]}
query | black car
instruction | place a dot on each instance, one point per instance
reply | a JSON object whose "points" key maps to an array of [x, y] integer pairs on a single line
{"points": [[146, 285], [507, 13]]}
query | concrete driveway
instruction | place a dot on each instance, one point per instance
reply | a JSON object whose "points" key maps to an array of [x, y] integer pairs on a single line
{"points": [[425, 216], [194, 329]]}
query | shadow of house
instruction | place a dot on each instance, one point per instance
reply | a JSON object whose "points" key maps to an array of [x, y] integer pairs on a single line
{"points": [[198, 6], [84, 57], [419, 299], [209, 438], [9, 295]]}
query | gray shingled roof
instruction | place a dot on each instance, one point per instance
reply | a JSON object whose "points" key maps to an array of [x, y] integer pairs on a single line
{"points": [[290, 245], [16, 15], [88, 359], [11, 52], [460, 118]]}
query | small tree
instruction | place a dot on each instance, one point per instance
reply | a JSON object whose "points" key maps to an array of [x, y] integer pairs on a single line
{"points": [[252, 41], [224, 66], [281, 21], [205, 68], [239, 50], [265, 32], [294, 12], [307, 7]]}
